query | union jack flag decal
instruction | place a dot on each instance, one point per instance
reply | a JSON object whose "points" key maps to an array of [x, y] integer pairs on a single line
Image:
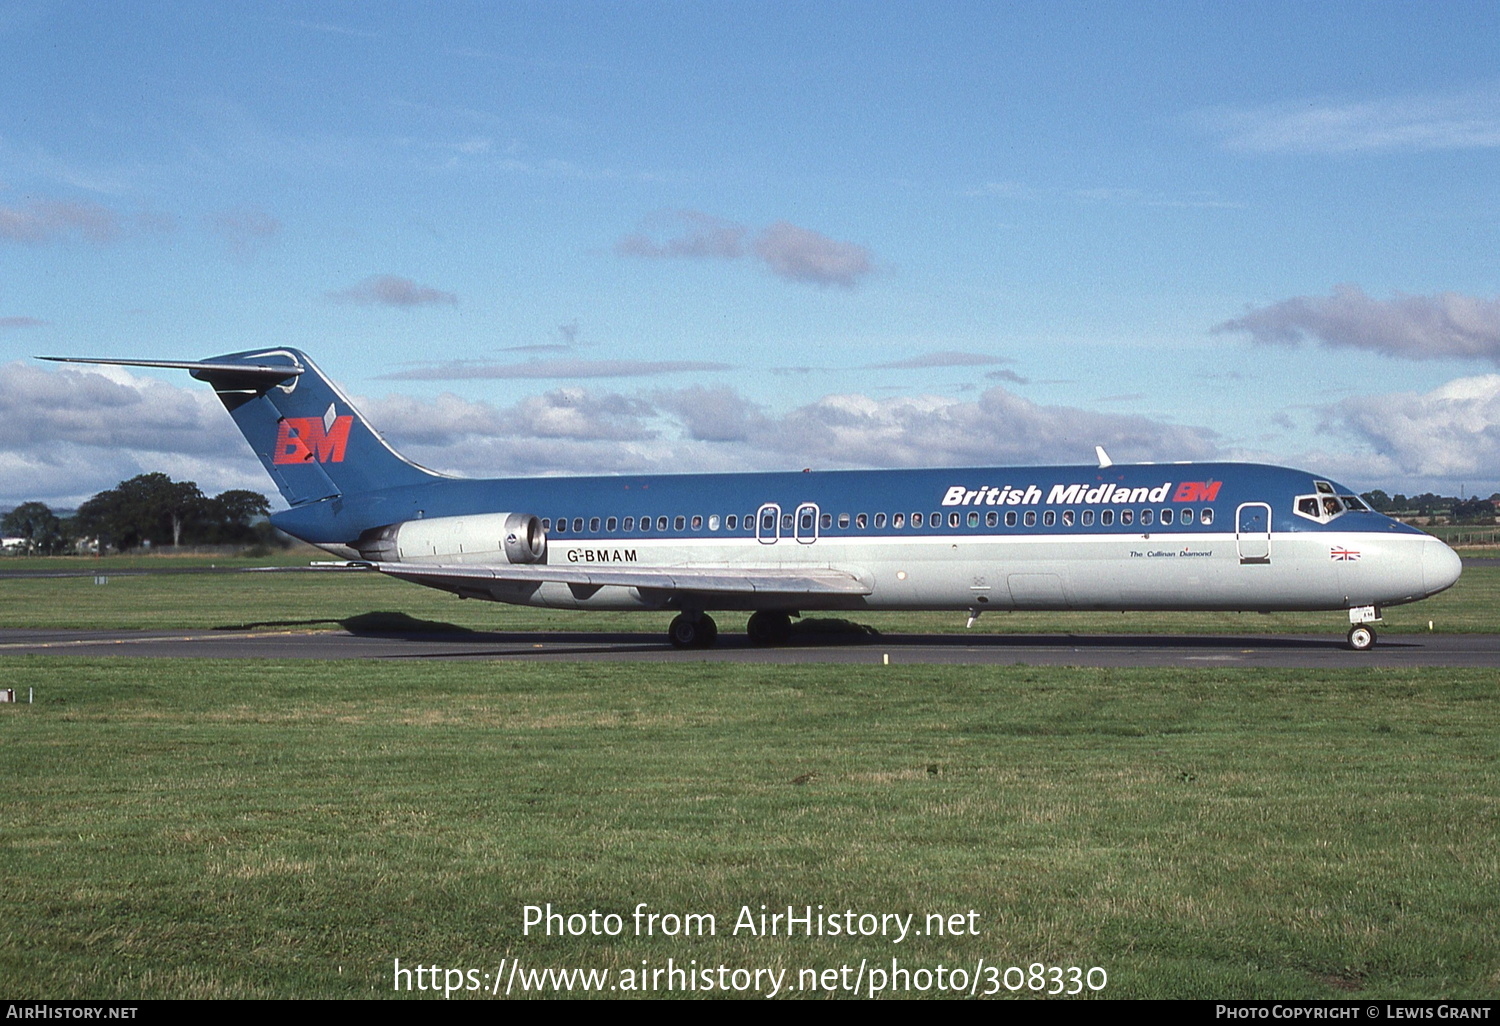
{"points": [[1346, 555]]}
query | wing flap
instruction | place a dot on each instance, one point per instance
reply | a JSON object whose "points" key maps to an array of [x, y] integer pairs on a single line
{"points": [[717, 580]]}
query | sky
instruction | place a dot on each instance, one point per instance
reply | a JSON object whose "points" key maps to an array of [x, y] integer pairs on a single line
{"points": [[554, 238]]}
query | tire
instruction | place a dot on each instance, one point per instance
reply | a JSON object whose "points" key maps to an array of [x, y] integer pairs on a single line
{"points": [[692, 631], [769, 627], [1361, 637]]}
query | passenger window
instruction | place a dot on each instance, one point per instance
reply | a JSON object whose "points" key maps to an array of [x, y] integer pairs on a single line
{"points": [[768, 522], [1049, 518], [879, 520], [562, 525], [861, 521], [786, 523], [807, 520], [898, 521], [953, 519], [1146, 518], [698, 523], [730, 522], [679, 523], [843, 521], [916, 520], [661, 523], [645, 523], [1107, 517], [973, 519], [713, 522], [936, 520], [992, 519], [1088, 518], [1127, 516], [630, 523], [611, 524], [1031, 518], [1166, 516], [594, 524], [578, 525], [1187, 515], [827, 520], [1207, 517], [546, 523], [1010, 518], [1067, 518]]}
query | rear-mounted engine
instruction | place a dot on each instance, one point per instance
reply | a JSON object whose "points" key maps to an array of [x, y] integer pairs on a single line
{"points": [[484, 538]]}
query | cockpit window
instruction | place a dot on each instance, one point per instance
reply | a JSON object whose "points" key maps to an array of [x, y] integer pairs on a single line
{"points": [[1327, 504]]}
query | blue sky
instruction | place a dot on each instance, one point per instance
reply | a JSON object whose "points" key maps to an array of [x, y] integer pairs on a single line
{"points": [[609, 237]]}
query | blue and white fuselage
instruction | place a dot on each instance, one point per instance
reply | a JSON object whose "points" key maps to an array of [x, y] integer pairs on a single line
{"points": [[1190, 536]]}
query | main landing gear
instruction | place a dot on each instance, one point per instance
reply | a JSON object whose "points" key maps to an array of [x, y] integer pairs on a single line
{"points": [[693, 630], [1361, 637], [769, 627], [698, 630]]}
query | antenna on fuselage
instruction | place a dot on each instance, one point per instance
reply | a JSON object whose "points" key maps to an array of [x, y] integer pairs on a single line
{"points": [[1104, 460]]}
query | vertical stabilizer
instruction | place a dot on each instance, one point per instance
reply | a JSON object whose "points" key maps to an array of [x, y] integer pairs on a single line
{"points": [[308, 435]]}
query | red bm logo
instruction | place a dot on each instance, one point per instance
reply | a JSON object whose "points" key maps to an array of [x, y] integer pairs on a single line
{"points": [[1197, 491], [304, 439]]}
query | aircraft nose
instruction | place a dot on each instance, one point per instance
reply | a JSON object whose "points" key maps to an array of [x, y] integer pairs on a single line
{"points": [[1440, 566]]}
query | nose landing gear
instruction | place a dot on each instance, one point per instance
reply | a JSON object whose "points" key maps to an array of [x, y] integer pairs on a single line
{"points": [[1361, 637]]}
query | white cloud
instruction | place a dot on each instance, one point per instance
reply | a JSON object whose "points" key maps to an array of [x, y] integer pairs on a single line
{"points": [[67, 434], [1451, 433], [463, 370], [390, 290], [42, 221], [1468, 120], [946, 358], [1445, 326], [245, 230], [697, 235], [800, 254], [788, 251]]}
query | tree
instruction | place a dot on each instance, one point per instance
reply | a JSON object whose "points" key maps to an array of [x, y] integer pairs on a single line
{"points": [[1377, 499], [35, 522], [1474, 511], [148, 507], [229, 515]]}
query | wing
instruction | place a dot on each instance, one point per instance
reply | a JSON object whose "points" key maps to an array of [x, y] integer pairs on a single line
{"points": [[746, 581]]}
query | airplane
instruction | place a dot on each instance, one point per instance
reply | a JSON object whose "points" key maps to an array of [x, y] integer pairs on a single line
{"points": [[1138, 537]]}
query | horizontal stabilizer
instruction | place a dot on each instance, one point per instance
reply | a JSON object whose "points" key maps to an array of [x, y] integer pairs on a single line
{"points": [[269, 374]]}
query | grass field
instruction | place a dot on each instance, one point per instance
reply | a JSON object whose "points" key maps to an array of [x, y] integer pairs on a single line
{"points": [[184, 828], [312, 601]]}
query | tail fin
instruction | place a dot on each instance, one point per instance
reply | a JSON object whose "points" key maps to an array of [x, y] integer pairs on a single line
{"points": [[309, 437]]}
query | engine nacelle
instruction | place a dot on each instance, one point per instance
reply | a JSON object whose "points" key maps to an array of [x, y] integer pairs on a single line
{"points": [[483, 538]]}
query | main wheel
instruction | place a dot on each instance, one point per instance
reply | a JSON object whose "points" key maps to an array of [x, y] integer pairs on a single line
{"points": [[692, 631], [1361, 637], [769, 627]]}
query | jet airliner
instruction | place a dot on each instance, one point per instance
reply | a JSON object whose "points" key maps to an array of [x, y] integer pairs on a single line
{"points": [[1178, 536]]}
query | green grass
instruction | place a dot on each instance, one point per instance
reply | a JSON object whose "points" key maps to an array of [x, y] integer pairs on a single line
{"points": [[313, 601], [185, 828]]}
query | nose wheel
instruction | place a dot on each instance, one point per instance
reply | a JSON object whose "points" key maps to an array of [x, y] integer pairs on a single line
{"points": [[1361, 637]]}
